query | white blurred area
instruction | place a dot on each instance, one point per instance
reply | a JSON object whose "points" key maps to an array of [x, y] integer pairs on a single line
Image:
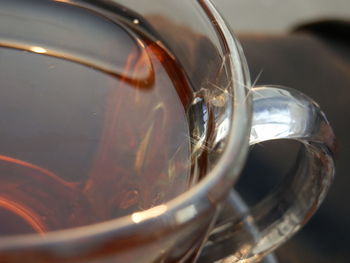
{"points": [[278, 16]]}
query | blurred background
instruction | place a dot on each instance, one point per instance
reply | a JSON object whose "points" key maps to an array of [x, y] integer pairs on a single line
{"points": [[279, 16], [304, 45]]}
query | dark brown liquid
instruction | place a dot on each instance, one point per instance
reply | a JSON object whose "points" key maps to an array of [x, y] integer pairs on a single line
{"points": [[86, 137]]}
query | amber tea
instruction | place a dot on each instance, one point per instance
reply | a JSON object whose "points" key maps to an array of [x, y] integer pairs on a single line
{"points": [[93, 118]]}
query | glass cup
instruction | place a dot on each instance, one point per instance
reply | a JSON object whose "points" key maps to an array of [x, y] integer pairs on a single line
{"points": [[227, 114]]}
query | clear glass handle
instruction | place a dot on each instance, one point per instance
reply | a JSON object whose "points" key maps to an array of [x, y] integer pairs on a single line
{"points": [[278, 113]]}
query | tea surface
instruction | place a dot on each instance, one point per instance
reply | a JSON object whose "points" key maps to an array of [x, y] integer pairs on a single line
{"points": [[93, 118]]}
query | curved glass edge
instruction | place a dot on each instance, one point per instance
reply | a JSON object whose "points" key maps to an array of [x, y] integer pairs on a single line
{"points": [[200, 198]]}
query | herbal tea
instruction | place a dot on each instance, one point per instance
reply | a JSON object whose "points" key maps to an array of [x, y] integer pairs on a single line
{"points": [[93, 118]]}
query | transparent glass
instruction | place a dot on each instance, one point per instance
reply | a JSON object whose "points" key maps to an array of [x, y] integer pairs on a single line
{"points": [[226, 116]]}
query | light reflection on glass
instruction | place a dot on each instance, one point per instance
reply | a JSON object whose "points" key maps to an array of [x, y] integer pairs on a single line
{"points": [[222, 130], [186, 214], [63, 1], [273, 124], [150, 213], [38, 49]]}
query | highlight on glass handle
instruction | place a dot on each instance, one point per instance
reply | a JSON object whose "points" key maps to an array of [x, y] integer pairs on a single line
{"points": [[247, 236]]}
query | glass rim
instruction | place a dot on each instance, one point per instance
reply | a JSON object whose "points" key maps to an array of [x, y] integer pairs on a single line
{"points": [[224, 174]]}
